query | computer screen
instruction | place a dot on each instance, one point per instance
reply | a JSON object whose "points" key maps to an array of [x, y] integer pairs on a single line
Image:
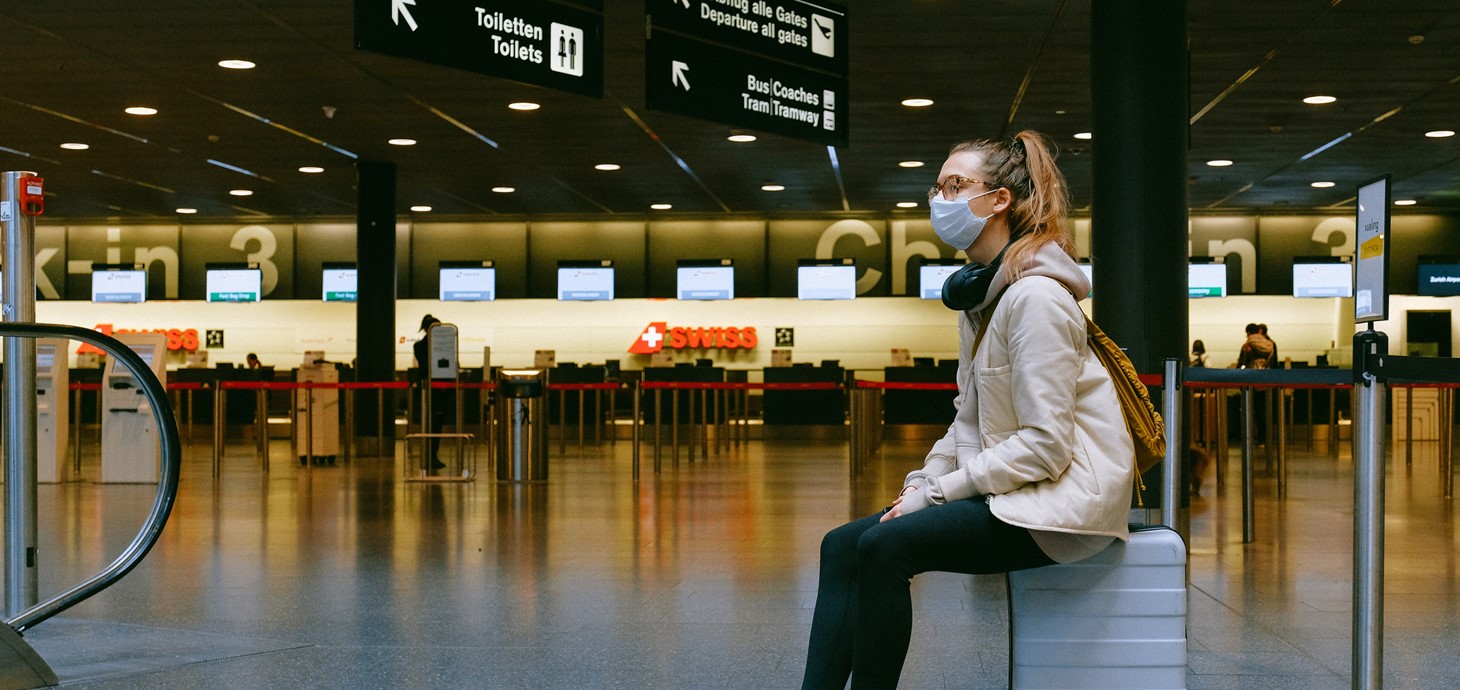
{"points": [[585, 283], [235, 284], [1439, 278], [474, 281], [1206, 280], [118, 285], [824, 281], [697, 280], [1328, 279], [340, 282], [931, 277]]}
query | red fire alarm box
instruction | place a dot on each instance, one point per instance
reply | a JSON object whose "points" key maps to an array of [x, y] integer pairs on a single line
{"points": [[32, 195]]}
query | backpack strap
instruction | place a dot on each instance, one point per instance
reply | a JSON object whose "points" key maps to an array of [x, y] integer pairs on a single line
{"points": [[983, 326]]}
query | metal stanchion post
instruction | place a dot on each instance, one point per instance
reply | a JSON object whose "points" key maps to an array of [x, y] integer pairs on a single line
{"points": [[1282, 440], [582, 420], [1368, 594], [1171, 410], [1309, 426], [1249, 532], [658, 418], [634, 428], [1447, 430], [562, 421], [309, 429], [261, 427], [1219, 403], [1333, 423], [76, 431], [854, 450], [380, 422], [349, 431], [1408, 427], [218, 417], [674, 425]]}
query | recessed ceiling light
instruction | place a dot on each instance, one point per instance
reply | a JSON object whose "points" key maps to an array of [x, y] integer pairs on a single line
{"points": [[421, 209], [918, 102], [504, 190], [772, 188], [241, 192], [524, 106], [606, 167], [74, 146], [141, 110], [907, 204], [1319, 100], [1219, 163], [1322, 185], [402, 142], [187, 211], [235, 64], [311, 169], [661, 207], [1083, 135], [741, 138], [910, 164], [1405, 202], [1440, 134]]}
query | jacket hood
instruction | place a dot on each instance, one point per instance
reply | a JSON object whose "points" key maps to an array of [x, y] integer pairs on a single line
{"points": [[1050, 261]]}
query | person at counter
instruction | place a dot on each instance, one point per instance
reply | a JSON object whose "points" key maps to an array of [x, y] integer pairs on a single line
{"points": [[420, 376], [1198, 354], [251, 361], [1038, 427], [1257, 351]]}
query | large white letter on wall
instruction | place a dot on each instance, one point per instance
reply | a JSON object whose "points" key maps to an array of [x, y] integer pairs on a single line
{"points": [[826, 246]]}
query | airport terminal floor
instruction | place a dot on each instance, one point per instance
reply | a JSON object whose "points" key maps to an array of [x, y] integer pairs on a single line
{"points": [[703, 576]]}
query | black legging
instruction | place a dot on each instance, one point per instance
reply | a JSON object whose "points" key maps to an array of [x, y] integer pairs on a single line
{"points": [[863, 616]]}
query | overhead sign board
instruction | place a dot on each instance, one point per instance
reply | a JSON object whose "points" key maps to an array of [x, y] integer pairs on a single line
{"points": [[541, 43], [701, 80], [809, 34]]}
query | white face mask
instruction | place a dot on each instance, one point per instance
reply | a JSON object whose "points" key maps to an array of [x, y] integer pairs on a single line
{"points": [[954, 221]]}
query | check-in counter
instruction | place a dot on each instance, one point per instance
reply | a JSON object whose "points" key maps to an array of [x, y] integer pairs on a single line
{"points": [[918, 413], [795, 412], [680, 374], [564, 405]]}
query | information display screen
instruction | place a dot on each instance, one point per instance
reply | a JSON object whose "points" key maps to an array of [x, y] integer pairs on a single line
{"points": [[474, 281], [585, 283], [932, 276], [119, 285], [1332, 279], [235, 284], [704, 281], [827, 282], [1371, 265], [1439, 278], [340, 282], [1206, 280]]}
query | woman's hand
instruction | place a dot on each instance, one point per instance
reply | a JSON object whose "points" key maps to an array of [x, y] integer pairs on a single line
{"points": [[896, 509]]}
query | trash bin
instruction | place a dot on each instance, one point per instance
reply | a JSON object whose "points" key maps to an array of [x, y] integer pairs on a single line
{"points": [[522, 437]]}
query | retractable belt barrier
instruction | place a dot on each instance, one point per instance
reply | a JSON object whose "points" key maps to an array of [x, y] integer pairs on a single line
{"points": [[261, 418]]}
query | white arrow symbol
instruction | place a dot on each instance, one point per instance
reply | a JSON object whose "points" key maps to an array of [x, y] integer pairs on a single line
{"points": [[680, 76], [398, 8]]}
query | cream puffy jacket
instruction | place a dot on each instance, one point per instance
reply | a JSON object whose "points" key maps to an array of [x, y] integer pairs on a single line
{"points": [[1038, 428]]}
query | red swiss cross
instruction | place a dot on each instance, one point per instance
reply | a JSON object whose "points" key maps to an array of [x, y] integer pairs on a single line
{"points": [[651, 340]]}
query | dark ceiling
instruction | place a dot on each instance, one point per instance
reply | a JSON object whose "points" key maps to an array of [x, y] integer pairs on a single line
{"points": [[992, 67]]}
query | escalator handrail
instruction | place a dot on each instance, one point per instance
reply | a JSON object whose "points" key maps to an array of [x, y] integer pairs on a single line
{"points": [[167, 483]]}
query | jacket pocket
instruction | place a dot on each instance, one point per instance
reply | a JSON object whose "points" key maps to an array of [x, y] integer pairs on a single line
{"points": [[996, 401], [1082, 468]]}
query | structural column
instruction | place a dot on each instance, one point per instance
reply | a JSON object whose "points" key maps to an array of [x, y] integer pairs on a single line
{"points": [[375, 260], [1138, 218]]}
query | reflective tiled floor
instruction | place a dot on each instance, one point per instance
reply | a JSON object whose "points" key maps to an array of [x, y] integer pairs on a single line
{"points": [[701, 577]]}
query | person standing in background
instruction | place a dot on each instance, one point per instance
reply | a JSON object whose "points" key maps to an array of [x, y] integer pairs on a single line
{"points": [[1257, 351], [1198, 354], [421, 378]]}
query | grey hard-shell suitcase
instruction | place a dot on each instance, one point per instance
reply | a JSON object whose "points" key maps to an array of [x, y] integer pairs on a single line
{"points": [[1114, 620]]}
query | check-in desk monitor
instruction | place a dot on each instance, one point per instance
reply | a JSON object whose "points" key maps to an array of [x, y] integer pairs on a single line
{"points": [[585, 281], [468, 281], [826, 280], [1206, 280], [234, 283], [53, 407], [712, 279], [932, 275], [130, 449], [339, 281], [1333, 278], [109, 285]]}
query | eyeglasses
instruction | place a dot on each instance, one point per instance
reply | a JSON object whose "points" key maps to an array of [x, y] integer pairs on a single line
{"points": [[951, 187]]}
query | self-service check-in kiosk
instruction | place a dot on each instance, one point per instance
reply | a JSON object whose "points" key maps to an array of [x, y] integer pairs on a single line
{"points": [[130, 451], [317, 411], [53, 407]]}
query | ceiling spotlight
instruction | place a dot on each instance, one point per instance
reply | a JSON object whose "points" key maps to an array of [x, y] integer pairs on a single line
{"points": [[235, 64], [74, 146], [1319, 100], [741, 138], [917, 102], [661, 207], [910, 164], [240, 192], [1405, 202], [310, 169], [187, 211], [524, 106], [1440, 133], [1083, 135], [504, 190], [402, 142], [771, 187], [907, 204], [421, 209], [140, 110], [606, 167], [1321, 185], [1219, 163]]}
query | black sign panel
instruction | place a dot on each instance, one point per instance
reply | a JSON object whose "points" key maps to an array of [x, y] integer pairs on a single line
{"points": [[541, 43], [805, 33], [694, 78]]}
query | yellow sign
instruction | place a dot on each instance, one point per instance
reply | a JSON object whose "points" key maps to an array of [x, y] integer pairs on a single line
{"points": [[1372, 247]]}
